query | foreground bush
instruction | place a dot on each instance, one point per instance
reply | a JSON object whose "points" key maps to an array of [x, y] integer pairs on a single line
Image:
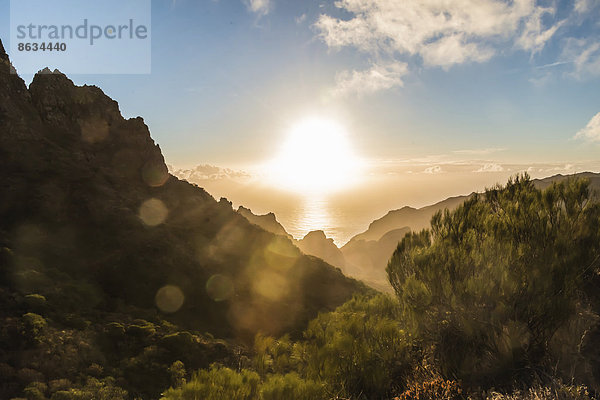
{"points": [[221, 383], [218, 384], [360, 350], [491, 282]]}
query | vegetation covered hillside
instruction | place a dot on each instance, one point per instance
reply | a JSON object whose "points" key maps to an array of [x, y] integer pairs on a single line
{"points": [[497, 300]]}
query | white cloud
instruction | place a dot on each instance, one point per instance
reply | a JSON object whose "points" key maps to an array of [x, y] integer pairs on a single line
{"points": [[206, 172], [591, 131], [451, 50], [442, 33], [584, 54], [378, 77], [583, 6], [422, 27], [436, 169], [259, 7], [490, 167], [588, 61], [534, 36]]}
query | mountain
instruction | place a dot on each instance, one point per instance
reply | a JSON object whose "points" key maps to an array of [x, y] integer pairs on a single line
{"points": [[317, 244], [268, 222], [367, 254], [366, 259], [314, 243], [360, 259], [419, 218], [594, 179], [414, 218], [100, 245]]}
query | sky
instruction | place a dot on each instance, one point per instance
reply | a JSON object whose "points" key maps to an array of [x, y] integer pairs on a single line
{"points": [[514, 81], [421, 86]]}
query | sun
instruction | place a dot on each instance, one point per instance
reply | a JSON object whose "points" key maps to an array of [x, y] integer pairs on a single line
{"points": [[315, 157]]}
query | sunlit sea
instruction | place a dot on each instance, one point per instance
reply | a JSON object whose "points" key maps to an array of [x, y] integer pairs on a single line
{"points": [[312, 214]]}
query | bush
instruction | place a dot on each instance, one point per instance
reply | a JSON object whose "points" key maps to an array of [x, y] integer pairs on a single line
{"points": [[490, 283], [435, 389], [142, 329], [94, 389], [292, 387], [557, 391], [36, 302], [218, 384], [360, 349], [35, 391], [33, 326]]}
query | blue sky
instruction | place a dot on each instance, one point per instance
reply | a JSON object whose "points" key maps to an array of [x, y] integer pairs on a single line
{"points": [[506, 82]]}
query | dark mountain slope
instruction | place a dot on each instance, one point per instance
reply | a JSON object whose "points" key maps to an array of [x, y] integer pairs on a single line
{"points": [[87, 193]]}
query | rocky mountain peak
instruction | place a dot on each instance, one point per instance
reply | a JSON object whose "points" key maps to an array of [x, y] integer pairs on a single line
{"points": [[3, 55]]}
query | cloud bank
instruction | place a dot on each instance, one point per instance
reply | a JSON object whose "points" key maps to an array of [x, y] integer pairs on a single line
{"points": [[441, 33]]}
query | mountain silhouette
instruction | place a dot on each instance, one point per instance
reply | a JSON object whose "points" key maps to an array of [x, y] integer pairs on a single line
{"points": [[87, 196]]}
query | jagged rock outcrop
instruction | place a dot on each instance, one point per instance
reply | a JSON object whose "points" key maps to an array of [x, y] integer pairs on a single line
{"points": [[317, 244], [268, 221]]}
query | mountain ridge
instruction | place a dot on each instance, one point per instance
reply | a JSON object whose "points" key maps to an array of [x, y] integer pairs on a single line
{"points": [[366, 254], [92, 187]]}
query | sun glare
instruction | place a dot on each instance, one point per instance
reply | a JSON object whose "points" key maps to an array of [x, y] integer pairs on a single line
{"points": [[315, 157]]}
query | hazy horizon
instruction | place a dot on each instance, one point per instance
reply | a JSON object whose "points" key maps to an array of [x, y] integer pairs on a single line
{"points": [[387, 186], [340, 111]]}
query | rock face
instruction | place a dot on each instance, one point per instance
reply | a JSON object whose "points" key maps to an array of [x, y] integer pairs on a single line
{"points": [[317, 244], [87, 196], [268, 221], [3, 55]]}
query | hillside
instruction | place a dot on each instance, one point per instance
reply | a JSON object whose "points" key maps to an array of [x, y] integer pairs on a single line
{"points": [[92, 223], [367, 254], [419, 218]]}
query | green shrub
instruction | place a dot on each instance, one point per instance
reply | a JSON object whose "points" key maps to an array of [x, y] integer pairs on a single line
{"points": [[490, 283], [141, 330], [180, 342], [33, 326], [177, 372], [292, 387], [94, 389], [115, 329], [360, 349], [35, 391], [218, 384], [36, 302]]}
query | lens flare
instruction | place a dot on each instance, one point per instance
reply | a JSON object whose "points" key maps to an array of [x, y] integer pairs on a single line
{"points": [[219, 287], [169, 299], [153, 212], [155, 174]]}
